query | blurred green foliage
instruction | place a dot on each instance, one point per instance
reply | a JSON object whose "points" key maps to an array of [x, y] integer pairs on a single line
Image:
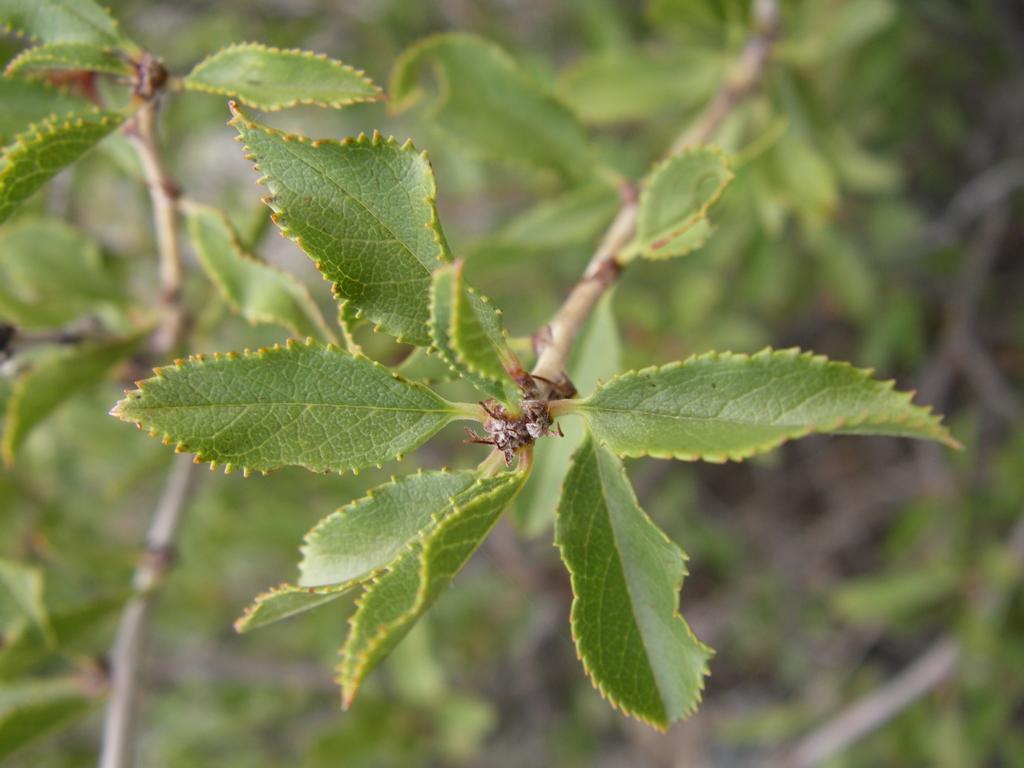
{"points": [[818, 573]]}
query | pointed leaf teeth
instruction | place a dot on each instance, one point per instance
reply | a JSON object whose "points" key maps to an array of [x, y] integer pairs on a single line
{"points": [[312, 226], [157, 404], [668, 673], [420, 572], [831, 397], [227, 80]]}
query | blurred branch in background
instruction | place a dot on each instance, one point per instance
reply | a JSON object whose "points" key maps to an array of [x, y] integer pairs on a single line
{"points": [[119, 728], [929, 670], [126, 655]]}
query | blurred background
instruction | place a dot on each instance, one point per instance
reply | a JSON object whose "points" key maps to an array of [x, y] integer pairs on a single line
{"points": [[875, 217]]}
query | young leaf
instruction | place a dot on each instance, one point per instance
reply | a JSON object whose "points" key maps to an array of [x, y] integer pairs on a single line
{"points": [[28, 101], [393, 601], [626, 576], [63, 21], [270, 78], [478, 337], [354, 543], [596, 357], [45, 148], [285, 601], [79, 56], [21, 601], [55, 379], [257, 291], [675, 199], [32, 708], [363, 209], [51, 274], [305, 405], [443, 292], [724, 406], [367, 534], [575, 217], [487, 102]]}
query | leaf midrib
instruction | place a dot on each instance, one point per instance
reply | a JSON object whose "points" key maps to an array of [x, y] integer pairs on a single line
{"points": [[626, 578]]}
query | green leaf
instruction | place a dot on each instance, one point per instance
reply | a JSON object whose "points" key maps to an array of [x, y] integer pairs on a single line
{"points": [[575, 217], [305, 405], [357, 541], [285, 601], [632, 84], [367, 534], [443, 292], [51, 274], [63, 21], [41, 151], [53, 380], [804, 177], [393, 601], [478, 336], [21, 601], [77, 56], [257, 291], [73, 627], [626, 575], [596, 357], [888, 598], [33, 708], [28, 101], [270, 78], [488, 103], [348, 321], [468, 333], [363, 209], [675, 199], [724, 406]]}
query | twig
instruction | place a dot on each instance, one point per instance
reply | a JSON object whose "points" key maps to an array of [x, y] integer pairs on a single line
{"points": [[164, 192], [878, 708], [554, 341], [127, 651], [928, 671], [118, 745]]}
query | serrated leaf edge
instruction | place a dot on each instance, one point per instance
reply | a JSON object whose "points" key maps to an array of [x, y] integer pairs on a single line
{"points": [[346, 509], [241, 624], [459, 284], [456, 409], [677, 588], [36, 133], [397, 106], [351, 682], [32, 56], [191, 85], [242, 253], [281, 220], [444, 351], [12, 30], [927, 421], [657, 170]]}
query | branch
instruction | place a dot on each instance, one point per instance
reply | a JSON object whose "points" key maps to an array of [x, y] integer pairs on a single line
{"points": [[118, 744], [130, 641], [927, 672], [554, 342], [878, 708], [164, 192]]}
